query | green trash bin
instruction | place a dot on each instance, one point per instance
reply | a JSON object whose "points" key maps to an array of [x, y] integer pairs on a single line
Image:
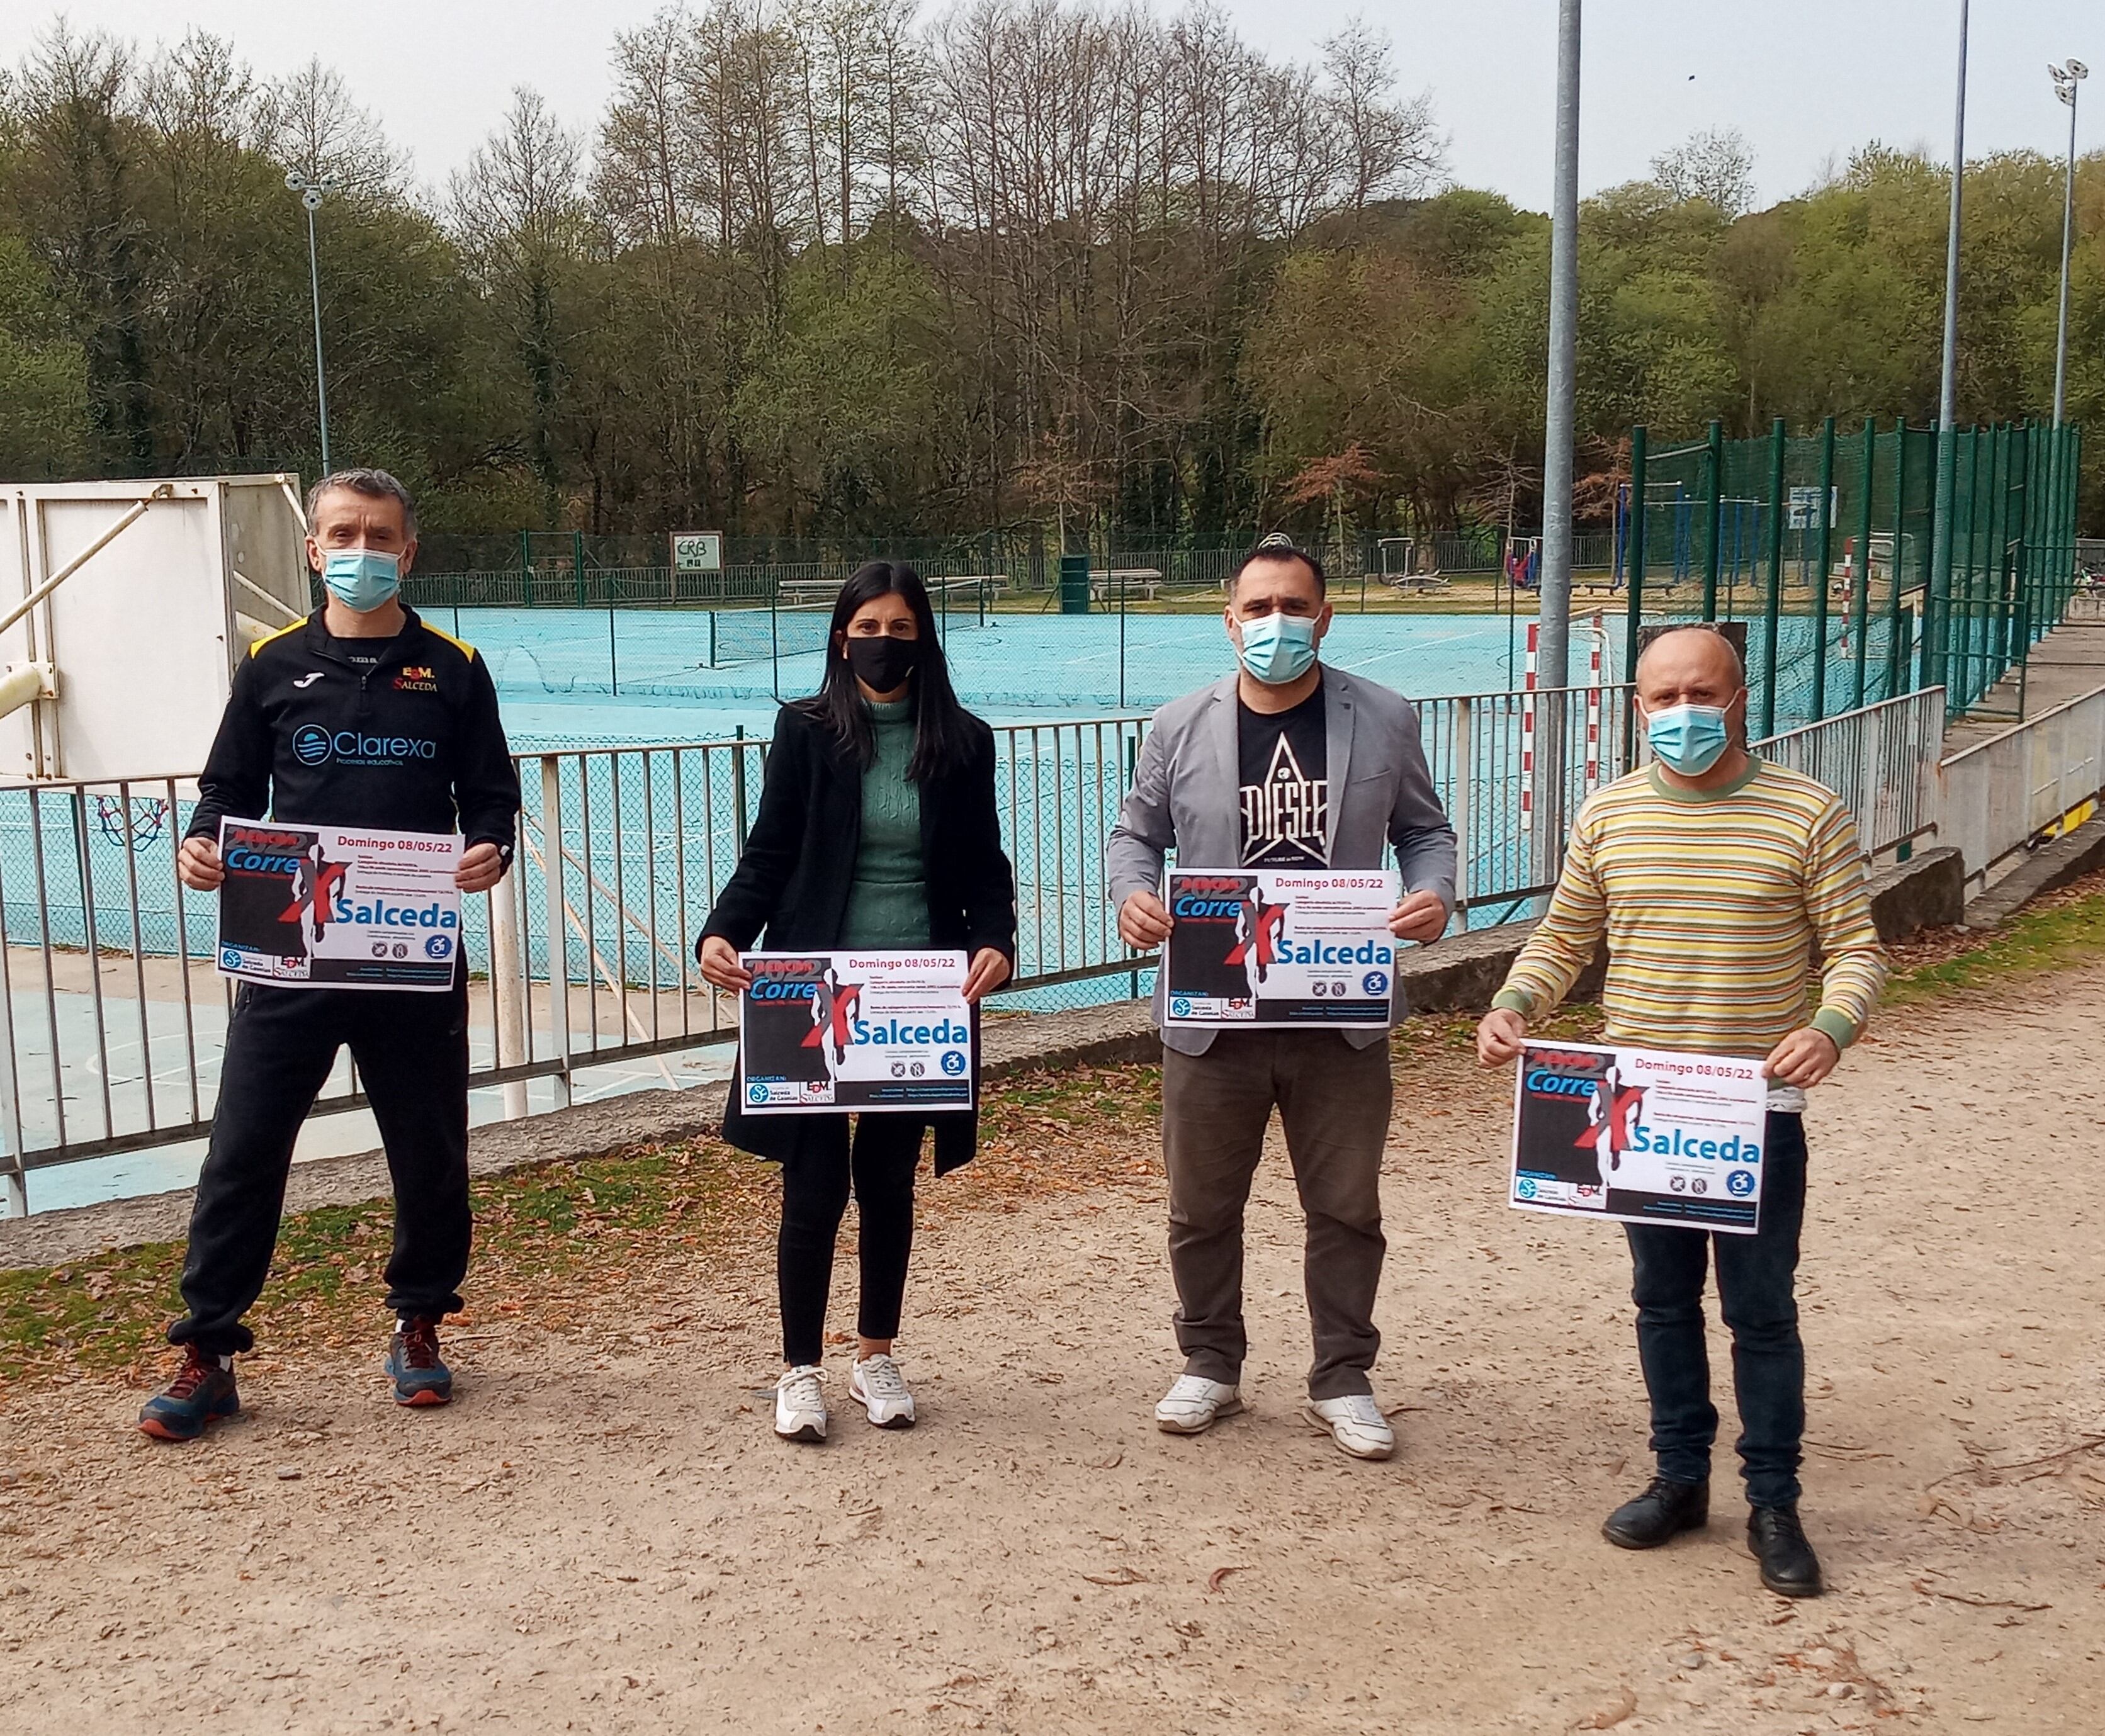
{"points": [[1074, 584]]}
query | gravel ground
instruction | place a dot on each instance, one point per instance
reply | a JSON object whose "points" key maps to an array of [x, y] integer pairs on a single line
{"points": [[602, 1535]]}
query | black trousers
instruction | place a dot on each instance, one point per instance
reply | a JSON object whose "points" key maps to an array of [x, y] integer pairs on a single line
{"points": [[1756, 1297], [815, 1180], [412, 1056]]}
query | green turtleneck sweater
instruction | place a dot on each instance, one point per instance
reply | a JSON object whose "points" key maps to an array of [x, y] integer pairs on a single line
{"points": [[888, 903]]}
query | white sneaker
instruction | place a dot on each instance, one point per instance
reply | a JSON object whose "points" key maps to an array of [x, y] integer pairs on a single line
{"points": [[1194, 1404], [800, 1404], [1355, 1423], [877, 1383]]}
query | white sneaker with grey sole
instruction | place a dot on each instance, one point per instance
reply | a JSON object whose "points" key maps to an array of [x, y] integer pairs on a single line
{"points": [[800, 1404], [1194, 1404], [876, 1383], [1355, 1423]]}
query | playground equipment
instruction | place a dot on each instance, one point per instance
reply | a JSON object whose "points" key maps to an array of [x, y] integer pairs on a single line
{"points": [[124, 606]]}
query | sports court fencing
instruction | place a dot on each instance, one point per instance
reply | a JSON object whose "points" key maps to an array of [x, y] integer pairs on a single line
{"points": [[1826, 545], [1001, 664], [112, 1017]]}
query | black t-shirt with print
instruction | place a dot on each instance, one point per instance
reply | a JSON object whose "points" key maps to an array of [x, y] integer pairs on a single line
{"points": [[1284, 759]]}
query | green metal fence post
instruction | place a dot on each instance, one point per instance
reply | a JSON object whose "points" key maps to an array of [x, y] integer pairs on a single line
{"points": [[1860, 600], [1773, 609], [1714, 463], [578, 566], [1942, 548], [2016, 640], [526, 568], [1635, 618], [1897, 660], [1820, 575]]}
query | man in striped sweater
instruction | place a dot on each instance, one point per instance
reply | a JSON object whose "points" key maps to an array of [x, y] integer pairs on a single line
{"points": [[1712, 877]]}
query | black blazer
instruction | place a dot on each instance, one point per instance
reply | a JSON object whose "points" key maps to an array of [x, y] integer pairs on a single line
{"points": [[790, 889]]}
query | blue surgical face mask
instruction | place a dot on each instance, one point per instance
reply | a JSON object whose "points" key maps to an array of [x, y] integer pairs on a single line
{"points": [[362, 579], [1277, 649], [1688, 739]]}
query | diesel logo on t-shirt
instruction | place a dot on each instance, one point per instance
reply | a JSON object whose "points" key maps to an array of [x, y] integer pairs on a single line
{"points": [[1285, 793]]}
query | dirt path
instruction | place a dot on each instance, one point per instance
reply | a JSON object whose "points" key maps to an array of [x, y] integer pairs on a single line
{"points": [[614, 1542]]}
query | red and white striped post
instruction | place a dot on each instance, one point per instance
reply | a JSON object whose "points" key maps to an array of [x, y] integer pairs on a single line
{"points": [[1593, 704], [1528, 730]]}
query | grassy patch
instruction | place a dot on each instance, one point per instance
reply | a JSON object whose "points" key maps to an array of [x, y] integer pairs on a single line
{"points": [[551, 1240], [2065, 928]]}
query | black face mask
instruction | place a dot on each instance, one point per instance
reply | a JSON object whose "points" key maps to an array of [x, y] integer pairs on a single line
{"points": [[881, 661]]}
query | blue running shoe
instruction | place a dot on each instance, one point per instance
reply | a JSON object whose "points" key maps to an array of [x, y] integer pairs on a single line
{"points": [[201, 1393], [412, 1364]]}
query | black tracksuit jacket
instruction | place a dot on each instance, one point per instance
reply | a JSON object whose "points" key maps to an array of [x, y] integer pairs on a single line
{"points": [[413, 744]]}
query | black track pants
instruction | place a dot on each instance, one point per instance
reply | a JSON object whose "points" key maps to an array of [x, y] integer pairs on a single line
{"points": [[412, 1056]]}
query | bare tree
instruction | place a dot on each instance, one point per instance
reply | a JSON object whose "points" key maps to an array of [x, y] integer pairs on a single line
{"points": [[1390, 145], [518, 210], [306, 121], [1713, 165]]}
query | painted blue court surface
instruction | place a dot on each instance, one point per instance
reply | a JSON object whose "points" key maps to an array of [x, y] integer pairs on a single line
{"points": [[569, 677]]}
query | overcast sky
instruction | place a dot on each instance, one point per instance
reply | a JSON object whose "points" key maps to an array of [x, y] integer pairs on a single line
{"points": [[1804, 80]]}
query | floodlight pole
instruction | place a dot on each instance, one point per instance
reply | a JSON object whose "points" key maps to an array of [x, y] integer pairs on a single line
{"points": [[1947, 396], [1553, 658], [312, 190], [2066, 79]]}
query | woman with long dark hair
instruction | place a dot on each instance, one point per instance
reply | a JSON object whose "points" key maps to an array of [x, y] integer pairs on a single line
{"points": [[877, 829]]}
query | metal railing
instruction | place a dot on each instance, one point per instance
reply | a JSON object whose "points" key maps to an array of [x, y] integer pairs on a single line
{"points": [[2002, 793], [1882, 760], [112, 1017]]}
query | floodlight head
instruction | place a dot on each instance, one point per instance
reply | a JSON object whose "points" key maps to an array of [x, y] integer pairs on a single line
{"points": [[312, 198], [294, 180], [2077, 69]]}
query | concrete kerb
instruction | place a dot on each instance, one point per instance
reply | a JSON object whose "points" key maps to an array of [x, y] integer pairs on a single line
{"points": [[2050, 866], [1458, 974]]}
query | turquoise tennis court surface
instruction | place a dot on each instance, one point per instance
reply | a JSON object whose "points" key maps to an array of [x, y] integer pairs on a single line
{"points": [[569, 677]]}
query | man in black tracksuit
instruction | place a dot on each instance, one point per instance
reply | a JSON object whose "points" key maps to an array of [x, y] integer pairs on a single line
{"points": [[361, 715]]}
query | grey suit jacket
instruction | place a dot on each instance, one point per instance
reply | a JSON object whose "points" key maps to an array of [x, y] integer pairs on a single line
{"points": [[1187, 796]]}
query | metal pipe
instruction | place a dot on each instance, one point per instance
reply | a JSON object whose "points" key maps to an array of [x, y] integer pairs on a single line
{"points": [[509, 983], [315, 280], [1947, 395], [2065, 85], [166, 491], [1561, 421]]}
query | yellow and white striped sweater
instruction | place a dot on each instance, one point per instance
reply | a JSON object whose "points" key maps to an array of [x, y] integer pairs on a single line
{"points": [[1711, 903]]}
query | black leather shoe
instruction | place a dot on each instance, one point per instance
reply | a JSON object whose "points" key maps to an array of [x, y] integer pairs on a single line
{"points": [[1665, 1509], [1790, 1569]]}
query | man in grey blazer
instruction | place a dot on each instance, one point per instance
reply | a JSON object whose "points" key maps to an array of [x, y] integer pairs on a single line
{"points": [[1285, 764]]}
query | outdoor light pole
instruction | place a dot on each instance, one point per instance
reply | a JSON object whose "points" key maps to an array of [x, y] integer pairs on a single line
{"points": [[2066, 79], [1947, 397], [1561, 421], [312, 190]]}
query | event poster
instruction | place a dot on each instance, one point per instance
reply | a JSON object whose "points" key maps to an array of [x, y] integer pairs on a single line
{"points": [[325, 906], [1639, 1135], [862, 1030], [1259, 947]]}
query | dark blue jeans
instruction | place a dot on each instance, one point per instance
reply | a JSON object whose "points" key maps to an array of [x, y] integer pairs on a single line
{"points": [[1755, 1297]]}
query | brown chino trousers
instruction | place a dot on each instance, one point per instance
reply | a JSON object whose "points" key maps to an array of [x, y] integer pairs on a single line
{"points": [[1334, 1105]]}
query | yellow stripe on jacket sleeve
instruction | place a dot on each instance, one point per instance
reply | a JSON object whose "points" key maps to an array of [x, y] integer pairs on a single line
{"points": [[1564, 942]]}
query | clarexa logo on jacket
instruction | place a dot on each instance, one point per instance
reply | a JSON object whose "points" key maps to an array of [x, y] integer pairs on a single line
{"points": [[313, 745]]}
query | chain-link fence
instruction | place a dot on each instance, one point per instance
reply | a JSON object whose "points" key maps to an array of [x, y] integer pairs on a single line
{"points": [[1827, 546]]}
